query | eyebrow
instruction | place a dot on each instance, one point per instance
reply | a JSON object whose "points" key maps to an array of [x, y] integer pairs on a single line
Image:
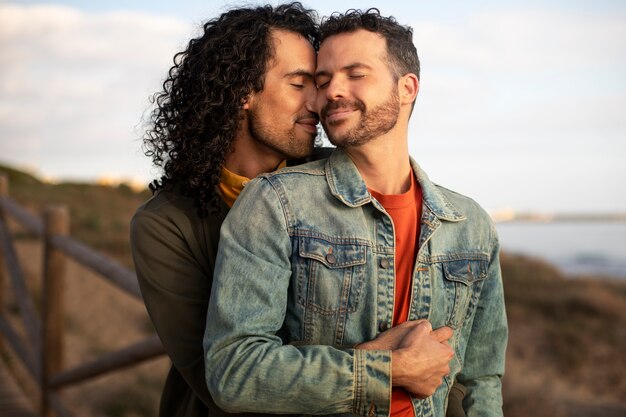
{"points": [[349, 67], [299, 73]]}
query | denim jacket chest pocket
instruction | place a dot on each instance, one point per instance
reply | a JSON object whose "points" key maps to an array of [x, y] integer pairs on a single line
{"points": [[461, 283], [330, 274]]}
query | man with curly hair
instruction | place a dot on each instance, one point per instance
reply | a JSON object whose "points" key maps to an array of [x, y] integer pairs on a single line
{"points": [[237, 102], [329, 309]]}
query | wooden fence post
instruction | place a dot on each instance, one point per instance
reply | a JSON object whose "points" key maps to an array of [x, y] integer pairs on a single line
{"points": [[4, 192], [56, 219]]}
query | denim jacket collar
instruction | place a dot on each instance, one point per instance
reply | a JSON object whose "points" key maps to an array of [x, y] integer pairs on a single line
{"points": [[345, 183]]}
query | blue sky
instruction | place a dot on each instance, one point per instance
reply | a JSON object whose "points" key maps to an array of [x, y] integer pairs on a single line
{"points": [[522, 104]]}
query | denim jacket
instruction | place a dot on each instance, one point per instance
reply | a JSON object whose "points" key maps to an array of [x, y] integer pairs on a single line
{"points": [[305, 270]]}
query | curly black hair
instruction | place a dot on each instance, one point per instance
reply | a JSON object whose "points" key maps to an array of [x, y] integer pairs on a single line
{"points": [[196, 116], [400, 49]]}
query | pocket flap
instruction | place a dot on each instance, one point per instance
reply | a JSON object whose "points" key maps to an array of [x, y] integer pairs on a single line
{"points": [[333, 255], [465, 271]]}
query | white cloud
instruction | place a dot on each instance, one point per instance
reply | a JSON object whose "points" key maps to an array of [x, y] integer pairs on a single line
{"points": [[531, 103], [525, 40], [525, 71], [78, 83]]}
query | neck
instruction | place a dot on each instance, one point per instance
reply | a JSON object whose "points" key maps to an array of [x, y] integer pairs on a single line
{"points": [[250, 158], [384, 163]]}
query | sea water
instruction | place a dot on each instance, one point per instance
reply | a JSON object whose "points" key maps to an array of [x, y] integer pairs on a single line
{"points": [[577, 248]]}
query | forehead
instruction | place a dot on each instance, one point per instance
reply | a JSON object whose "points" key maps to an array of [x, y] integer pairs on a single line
{"points": [[361, 46], [291, 50]]}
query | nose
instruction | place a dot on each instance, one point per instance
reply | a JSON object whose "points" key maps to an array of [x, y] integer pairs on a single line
{"points": [[310, 99], [335, 89]]}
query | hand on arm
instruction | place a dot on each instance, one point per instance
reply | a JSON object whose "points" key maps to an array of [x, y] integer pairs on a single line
{"points": [[420, 355]]}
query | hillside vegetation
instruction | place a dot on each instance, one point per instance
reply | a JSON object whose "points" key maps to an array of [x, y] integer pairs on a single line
{"points": [[100, 215], [567, 343], [566, 353]]}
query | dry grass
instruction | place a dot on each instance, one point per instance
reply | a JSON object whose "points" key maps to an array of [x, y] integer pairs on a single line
{"points": [[567, 342], [99, 318], [100, 215]]}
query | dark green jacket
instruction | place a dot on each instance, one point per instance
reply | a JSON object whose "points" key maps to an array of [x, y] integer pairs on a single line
{"points": [[174, 253]]}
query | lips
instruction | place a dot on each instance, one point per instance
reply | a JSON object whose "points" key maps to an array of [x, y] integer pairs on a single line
{"points": [[336, 111], [309, 123]]}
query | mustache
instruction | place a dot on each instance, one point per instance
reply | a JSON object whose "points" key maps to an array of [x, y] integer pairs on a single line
{"points": [[342, 104], [307, 116]]}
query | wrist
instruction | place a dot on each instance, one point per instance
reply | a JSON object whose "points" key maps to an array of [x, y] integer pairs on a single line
{"points": [[397, 367]]}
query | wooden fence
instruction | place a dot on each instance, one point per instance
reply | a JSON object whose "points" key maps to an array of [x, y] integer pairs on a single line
{"points": [[41, 349]]}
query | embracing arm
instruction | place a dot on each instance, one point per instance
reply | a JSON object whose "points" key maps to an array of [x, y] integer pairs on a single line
{"points": [[251, 368], [483, 366]]}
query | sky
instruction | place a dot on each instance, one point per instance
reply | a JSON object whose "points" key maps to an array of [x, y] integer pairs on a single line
{"points": [[522, 104]]}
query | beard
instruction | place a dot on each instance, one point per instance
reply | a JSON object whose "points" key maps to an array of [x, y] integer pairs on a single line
{"points": [[372, 123], [284, 141]]}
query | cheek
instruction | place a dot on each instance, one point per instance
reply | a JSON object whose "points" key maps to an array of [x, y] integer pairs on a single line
{"points": [[320, 101], [290, 101], [291, 106]]}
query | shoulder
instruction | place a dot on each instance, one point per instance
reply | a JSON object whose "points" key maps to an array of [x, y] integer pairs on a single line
{"points": [[283, 182], [274, 195], [165, 202], [476, 216], [461, 201], [293, 177], [286, 183], [169, 211], [316, 167]]}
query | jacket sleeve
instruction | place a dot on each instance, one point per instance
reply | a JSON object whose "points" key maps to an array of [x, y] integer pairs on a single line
{"points": [[483, 366], [252, 370], [175, 289]]}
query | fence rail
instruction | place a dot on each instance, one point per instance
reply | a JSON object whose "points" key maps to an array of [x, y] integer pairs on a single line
{"points": [[42, 351]]}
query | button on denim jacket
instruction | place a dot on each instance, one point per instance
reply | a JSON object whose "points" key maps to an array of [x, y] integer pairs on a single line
{"points": [[305, 270]]}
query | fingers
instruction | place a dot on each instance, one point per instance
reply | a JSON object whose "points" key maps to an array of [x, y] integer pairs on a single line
{"points": [[446, 370], [427, 325], [414, 323], [442, 334]]}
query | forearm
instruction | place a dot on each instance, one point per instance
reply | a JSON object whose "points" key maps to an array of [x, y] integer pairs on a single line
{"points": [[262, 375]]}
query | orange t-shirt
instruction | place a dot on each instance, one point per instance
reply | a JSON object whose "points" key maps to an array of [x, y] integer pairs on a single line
{"points": [[405, 211]]}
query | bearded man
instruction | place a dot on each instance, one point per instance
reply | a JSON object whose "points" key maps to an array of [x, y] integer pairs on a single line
{"points": [[330, 309]]}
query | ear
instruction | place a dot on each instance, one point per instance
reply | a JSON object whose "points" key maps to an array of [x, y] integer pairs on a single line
{"points": [[247, 101], [408, 86]]}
